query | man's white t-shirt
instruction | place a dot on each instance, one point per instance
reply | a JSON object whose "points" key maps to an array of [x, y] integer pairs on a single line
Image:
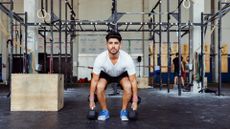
{"points": [[124, 63]]}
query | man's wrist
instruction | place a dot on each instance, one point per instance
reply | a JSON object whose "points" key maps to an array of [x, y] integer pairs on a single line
{"points": [[135, 98], [91, 98]]}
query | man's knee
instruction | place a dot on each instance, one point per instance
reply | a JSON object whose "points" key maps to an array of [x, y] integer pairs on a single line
{"points": [[100, 90], [101, 86], [126, 84]]}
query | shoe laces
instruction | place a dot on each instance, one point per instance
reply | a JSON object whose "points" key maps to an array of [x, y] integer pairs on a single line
{"points": [[103, 112], [124, 113]]}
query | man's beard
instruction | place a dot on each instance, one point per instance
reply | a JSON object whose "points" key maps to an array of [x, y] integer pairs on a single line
{"points": [[113, 52]]}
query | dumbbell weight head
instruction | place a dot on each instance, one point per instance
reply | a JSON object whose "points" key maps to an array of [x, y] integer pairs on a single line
{"points": [[133, 115], [92, 114]]}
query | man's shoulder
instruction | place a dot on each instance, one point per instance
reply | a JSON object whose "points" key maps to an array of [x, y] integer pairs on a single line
{"points": [[100, 58], [124, 53], [102, 54], [125, 56]]}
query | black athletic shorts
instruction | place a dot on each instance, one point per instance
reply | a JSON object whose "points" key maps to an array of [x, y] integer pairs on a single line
{"points": [[111, 79], [176, 73]]}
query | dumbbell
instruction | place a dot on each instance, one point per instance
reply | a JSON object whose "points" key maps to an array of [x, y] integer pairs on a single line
{"points": [[92, 113], [133, 114]]}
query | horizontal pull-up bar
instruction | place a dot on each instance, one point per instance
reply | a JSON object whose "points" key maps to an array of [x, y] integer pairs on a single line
{"points": [[118, 23], [120, 30]]}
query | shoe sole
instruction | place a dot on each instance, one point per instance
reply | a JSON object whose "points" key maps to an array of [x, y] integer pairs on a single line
{"points": [[103, 119], [125, 119]]}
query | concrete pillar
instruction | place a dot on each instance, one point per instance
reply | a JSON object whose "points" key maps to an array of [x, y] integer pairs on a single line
{"points": [[145, 35], [75, 56], [31, 6], [4, 36], [196, 10], [76, 43]]}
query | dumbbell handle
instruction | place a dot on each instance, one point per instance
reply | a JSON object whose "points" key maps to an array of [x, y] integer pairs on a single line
{"points": [[92, 105], [138, 101]]}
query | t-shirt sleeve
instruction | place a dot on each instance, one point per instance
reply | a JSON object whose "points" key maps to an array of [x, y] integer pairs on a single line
{"points": [[131, 69], [97, 66]]}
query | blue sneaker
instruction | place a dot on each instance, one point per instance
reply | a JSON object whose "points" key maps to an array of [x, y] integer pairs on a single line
{"points": [[103, 115], [124, 115]]}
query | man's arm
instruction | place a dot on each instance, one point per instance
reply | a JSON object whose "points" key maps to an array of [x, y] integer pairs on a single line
{"points": [[93, 86], [133, 82], [172, 67]]}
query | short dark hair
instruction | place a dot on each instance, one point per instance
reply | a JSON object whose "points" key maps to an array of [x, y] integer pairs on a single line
{"points": [[113, 34]]}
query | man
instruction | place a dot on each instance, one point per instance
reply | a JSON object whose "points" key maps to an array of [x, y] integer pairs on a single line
{"points": [[176, 69], [113, 65]]}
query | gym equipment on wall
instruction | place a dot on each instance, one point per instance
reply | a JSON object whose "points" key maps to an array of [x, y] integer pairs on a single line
{"points": [[139, 62]]}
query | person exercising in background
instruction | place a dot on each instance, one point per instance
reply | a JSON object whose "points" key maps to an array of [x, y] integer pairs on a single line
{"points": [[176, 69], [113, 65]]}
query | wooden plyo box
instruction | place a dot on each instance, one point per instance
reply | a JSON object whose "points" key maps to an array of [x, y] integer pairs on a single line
{"points": [[143, 82], [37, 92]]}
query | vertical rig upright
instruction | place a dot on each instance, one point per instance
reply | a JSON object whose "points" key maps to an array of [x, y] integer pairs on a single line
{"points": [[160, 41], [52, 37], [60, 37], [219, 48], [114, 15], [168, 46], [179, 45]]}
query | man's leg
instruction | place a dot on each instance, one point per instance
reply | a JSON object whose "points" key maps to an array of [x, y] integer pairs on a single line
{"points": [[175, 80], [127, 93], [104, 113], [182, 81], [126, 85], [101, 93]]}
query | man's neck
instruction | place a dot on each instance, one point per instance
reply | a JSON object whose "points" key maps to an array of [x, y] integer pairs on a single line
{"points": [[113, 57]]}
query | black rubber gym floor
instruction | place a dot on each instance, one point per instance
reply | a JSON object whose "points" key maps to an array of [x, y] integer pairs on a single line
{"points": [[158, 110]]}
